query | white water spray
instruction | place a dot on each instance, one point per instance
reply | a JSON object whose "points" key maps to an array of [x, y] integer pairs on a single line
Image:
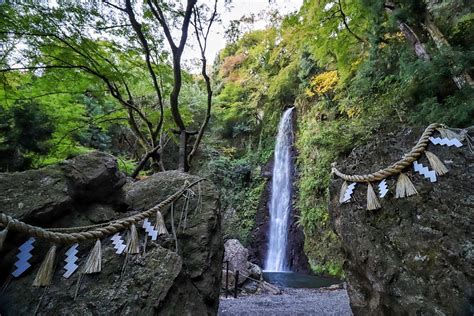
{"points": [[280, 203]]}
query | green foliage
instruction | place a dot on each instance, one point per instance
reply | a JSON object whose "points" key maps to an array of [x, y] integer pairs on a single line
{"points": [[348, 80], [346, 66], [240, 190], [95, 71], [24, 132]]}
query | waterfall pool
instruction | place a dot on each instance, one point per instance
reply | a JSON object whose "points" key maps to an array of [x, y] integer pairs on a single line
{"points": [[299, 280]]}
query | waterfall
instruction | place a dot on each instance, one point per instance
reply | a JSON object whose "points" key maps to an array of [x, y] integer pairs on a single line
{"points": [[280, 203]]}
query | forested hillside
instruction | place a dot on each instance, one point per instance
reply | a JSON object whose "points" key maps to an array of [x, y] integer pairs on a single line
{"points": [[74, 80], [354, 70]]}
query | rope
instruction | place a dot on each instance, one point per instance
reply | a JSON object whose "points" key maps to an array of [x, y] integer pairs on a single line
{"points": [[98, 232], [397, 167]]}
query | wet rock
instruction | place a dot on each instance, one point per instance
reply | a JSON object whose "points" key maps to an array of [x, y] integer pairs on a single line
{"points": [[269, 288], [228, 281], [414, 255], [35, 196]]}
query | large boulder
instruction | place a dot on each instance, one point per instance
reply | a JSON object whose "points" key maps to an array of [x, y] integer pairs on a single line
{"points": [[198, 228], [37, 196], [159, 280], [414, 256], [237, 256]]}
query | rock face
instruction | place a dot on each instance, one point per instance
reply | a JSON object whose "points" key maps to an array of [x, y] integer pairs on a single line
{"points": [[415, 256], [159, 280], [196, 289]]}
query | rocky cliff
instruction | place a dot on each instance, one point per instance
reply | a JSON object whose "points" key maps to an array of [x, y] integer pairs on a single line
{"points": [[87, 190], [414, 256]]}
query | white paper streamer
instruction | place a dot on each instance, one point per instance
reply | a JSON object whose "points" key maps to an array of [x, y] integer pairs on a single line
{"points": [[150, 229], [71, 260], [348, 193], [383, 188], [424, 171], [23, 256], [119, 243], [446, 141]]}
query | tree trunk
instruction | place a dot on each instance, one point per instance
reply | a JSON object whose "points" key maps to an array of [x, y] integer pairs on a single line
{"points": [[415, 42], [437, 37], [441, 41], [183, 151]]}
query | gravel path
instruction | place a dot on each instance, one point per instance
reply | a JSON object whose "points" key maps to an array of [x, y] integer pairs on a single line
{"points": [[297, 302]]}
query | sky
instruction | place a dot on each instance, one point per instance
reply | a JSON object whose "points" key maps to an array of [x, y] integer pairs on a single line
{"points": [[216, 40], [238, 8]]}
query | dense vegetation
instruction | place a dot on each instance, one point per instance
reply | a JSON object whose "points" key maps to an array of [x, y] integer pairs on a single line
{"points": [[352, 68], [352, 71]]}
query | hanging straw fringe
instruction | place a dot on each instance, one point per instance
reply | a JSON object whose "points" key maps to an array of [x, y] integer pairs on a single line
{"points": [[342, 192], [133, 246], [94, 260], [46, 270], [372, 200], [450, 134], [160, 224], [3, 236], [404, 187], [436, 163]]}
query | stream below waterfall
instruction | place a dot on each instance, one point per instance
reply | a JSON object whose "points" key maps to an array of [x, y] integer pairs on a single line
{"points": [[299, 280]]}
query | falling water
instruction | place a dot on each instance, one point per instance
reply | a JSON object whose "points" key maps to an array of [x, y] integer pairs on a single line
{"points": [[280, 197]]}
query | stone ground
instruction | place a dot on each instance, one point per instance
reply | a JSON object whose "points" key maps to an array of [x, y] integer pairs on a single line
{"points": [[297, 302]]}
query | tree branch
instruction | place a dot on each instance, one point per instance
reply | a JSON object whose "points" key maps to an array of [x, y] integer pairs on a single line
{"points": [[202, 46], [344, 20], [146, 49]]}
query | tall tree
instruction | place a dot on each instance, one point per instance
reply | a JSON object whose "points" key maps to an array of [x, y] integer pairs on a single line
{"points": [[117, 43]]}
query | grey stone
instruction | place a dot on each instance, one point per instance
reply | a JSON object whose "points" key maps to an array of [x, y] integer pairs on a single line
{"points": [[254, 271], [38, 196], [156, 281], [237, 256], [414, 255]]}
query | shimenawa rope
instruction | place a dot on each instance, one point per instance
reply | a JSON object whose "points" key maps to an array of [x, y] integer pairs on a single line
{"points": [[99, 231], [397, 167]]}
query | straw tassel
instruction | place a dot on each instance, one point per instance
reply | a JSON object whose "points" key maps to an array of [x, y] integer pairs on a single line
{"points": [[94, 260], [46, 270], [404, 187], [437, 165], [450, 134], [3, 236], [372, 200], [133, 246], [160, 224], [342, 192]]}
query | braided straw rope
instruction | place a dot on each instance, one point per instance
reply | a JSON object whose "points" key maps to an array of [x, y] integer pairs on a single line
{"points": [[99, 232], [397, 167]]}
